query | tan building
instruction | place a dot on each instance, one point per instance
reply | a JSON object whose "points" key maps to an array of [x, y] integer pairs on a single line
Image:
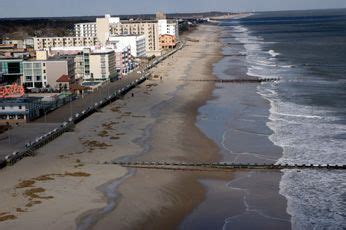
{"points": [[44, 43], [103, 28]]}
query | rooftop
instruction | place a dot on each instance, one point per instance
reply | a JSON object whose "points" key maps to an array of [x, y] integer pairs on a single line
{"points": [[20, 100], [63, 78]]}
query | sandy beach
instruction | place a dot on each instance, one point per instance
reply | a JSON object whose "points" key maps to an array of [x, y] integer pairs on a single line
{"points": [[165, 197], [67, 185]]}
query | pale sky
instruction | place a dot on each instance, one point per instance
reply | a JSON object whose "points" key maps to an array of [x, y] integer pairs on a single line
{"points": [[53, 8]]}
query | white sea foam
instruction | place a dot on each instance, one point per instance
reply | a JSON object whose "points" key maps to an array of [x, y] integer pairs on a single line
{"points": [[273, 53], [287, 66]]}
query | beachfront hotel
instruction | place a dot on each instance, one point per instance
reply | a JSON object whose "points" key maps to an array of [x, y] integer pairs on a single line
{"points": [[109, 29]]}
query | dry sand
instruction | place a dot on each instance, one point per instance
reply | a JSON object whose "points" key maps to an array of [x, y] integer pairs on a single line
{"points": [[64, 182]]}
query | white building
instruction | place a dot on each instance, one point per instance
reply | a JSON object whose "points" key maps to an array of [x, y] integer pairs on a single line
{"points": [[170, 27], [136, 43], [85, 29]]}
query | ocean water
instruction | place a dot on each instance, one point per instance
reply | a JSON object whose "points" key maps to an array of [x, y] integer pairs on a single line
{"points": [[307, 50], [304, 118]]}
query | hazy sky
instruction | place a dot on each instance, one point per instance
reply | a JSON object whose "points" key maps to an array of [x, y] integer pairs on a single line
{"points": [[42, 8]]}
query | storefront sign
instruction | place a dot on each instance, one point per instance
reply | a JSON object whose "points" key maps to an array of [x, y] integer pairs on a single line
{"points": [[9, 91]]}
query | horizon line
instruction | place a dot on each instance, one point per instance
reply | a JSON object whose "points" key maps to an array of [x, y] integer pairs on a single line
{"points": [[141, 14]]}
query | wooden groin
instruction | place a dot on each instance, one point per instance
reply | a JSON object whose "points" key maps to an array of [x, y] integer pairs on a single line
{"points": [[224, 166], [241, 80]]}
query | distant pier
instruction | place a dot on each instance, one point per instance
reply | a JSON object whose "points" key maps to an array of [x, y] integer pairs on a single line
{"points": [[240, 80]]}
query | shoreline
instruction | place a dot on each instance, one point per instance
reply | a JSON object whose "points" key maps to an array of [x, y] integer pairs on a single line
{"points": [[245, 138]]}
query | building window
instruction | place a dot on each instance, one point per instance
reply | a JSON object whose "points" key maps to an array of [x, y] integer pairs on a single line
{"points": [[38, 78], [28, 78], [37, 65], [27, 65], [3, 107], [20, 107], [11, 117]]}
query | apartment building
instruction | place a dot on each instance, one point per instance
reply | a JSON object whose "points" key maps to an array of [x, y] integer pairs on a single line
{"points": [[99, 65], [45, 43], [85, 29], [136, 43]]}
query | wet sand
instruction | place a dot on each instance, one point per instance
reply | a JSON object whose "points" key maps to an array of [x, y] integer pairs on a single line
{"points": [[236, 119]]}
